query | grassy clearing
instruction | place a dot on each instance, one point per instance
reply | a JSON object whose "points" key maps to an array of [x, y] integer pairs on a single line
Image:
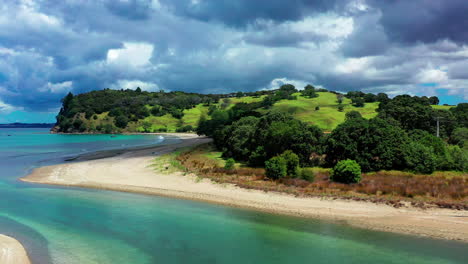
{"points": [[397, 188], [328, 116], [168, 163], [442, 107]]}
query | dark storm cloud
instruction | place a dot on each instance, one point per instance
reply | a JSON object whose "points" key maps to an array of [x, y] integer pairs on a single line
{"points": [[424, 20], [243, 12], [48, 48]]}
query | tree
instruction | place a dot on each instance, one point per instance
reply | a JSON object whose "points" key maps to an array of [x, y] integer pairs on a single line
{"points": [[353, 114], [268, 101], [292, 163], [121, 121], [420, 158], [146, 126], [375, 144], [339, 98], [410, 112], [276, 168], [461, 114], [309, 91], [340, 108], [346, 171], [382, 97], [433, 100], [358, 101], [288, 88], [459, 137], [370, 98], [239, 94]]}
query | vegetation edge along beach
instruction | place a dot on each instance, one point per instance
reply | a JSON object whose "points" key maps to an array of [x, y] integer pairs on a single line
{"points": [[311, 144]]}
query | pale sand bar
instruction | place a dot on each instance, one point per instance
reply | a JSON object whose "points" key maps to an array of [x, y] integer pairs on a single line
{"points": [[12, 252], [131, 172]]}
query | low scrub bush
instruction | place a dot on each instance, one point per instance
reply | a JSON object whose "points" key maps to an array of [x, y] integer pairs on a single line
{"points": [[229, 164], [276, 168], [307, 174], [346, 171]]}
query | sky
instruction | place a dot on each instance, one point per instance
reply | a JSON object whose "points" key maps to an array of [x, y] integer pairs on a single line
{"points": [[50, 48]]}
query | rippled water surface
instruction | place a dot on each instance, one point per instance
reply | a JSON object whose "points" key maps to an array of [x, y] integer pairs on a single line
{"points": [[71, 225]]}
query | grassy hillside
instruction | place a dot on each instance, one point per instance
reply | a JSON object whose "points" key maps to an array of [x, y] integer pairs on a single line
{"points": [[327, 117], [92, 112]]}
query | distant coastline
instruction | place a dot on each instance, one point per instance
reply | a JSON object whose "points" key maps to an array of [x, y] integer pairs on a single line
{"points": [[27, 125]]}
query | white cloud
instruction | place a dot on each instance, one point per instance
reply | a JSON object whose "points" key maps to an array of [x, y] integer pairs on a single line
{"points": [[27, 14], [276, 83], [6, 108], [132, 53], [326, 25], [431, 76], [57, 87], [133, 84], [353, 65]]}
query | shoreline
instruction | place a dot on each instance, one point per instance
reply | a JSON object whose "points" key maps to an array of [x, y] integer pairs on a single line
{"points": [[12, 251], [131, 172]]}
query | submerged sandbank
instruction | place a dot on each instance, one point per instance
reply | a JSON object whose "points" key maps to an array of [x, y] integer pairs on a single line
{"points": [[131, 172], [12, 252]]}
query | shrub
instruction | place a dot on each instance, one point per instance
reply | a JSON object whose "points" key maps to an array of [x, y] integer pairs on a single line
{"points": [[346, 171], [458, 158], [121, 121], [341, 108], [307, 174], [420, 158], [292, 163], [317, 108], [276, 168], [229, 164], [186, 128]]}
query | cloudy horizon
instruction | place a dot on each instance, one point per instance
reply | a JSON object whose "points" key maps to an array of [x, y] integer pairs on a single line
{"points": [[50, 48]]}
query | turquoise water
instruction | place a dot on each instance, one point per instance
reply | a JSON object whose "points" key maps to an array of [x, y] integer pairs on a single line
{"points": [[72, 225]]}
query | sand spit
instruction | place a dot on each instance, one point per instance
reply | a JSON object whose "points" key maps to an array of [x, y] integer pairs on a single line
{"points": [[131, 172]]}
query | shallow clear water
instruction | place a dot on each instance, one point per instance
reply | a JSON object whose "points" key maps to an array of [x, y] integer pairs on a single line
{"points": [[73, 225]]}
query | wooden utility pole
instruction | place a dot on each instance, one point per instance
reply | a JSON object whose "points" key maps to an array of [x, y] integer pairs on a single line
{"points": [[437, 126]]}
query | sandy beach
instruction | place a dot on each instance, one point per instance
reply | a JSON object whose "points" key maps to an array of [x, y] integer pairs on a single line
{"points": [[12, 252], [131, 172]]}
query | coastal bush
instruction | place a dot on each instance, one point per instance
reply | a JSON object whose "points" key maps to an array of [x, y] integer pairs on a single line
{"points": [[121, 121], [276, 168], [420, 158], [375, 144], [307, 174], [292, 163], [229, 164], [346, 171], [458, 158]]}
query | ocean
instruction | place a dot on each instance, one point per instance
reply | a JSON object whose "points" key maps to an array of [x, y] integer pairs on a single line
{"points": [[76, 225]]}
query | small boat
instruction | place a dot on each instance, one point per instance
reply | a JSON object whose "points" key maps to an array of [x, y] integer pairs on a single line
{"points": [[113, 136]]}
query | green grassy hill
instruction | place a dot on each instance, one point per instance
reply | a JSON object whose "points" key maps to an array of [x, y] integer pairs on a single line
{"points": [[327, 116]]}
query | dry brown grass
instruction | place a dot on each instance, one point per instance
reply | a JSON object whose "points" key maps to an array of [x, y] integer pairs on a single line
{"points": [[448, 190]]}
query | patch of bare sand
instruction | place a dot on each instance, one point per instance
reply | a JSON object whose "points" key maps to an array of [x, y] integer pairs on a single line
{"points": [[12, 252]]}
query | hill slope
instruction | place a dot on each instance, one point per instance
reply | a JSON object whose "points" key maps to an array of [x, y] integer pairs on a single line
{"points": [[113, 111]]}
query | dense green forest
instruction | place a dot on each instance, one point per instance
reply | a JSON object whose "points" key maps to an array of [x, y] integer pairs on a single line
{"points": [[401, 136], [275, 128]]}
